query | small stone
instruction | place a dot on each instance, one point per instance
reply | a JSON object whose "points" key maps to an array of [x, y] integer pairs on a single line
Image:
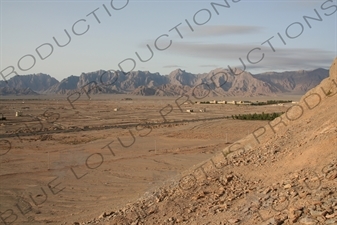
{"points": [[232, 221], [302, 194], [308, 221], [246, 209], [331, 221], [294, 215], [302, 180], [267, 191], [282, 199], [229, 178], [317, 213], [329, 216], [332, 175], [287, 186], [102, 215], [269, 221]]}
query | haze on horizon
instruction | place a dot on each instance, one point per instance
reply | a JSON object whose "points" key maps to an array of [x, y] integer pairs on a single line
{"points": [[194, 36]]}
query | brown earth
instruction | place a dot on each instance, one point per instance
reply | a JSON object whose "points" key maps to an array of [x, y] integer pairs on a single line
{"points": [[283, 173], [56, 166]]}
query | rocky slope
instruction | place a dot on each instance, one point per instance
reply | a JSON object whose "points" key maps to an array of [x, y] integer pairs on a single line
{"points": [[283, 173]]}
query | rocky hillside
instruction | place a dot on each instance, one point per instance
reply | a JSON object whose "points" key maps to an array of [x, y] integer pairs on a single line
{"points": [[36, 82], [295, 82], [13, 91], [283, 173], [63, 87], [218, 82]]}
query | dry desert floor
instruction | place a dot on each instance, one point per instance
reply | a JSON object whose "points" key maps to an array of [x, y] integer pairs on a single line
{"points": [[63, 163]]}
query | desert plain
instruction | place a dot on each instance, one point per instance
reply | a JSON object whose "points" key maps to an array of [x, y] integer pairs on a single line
{"points": [[64, 163]]}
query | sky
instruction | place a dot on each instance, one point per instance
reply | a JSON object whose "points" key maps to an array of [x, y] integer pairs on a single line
{"points": [[162, 36]]}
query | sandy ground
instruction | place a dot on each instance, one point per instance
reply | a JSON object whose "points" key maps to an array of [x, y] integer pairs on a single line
{"points": [[70, 164], [283, 173]]}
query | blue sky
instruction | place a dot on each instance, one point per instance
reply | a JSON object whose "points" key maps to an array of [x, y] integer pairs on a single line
{"points": [[220, 39]]}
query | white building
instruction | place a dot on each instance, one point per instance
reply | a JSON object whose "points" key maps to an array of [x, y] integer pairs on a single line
{"points": [[244, 103], [231, 102], [18, 113]]}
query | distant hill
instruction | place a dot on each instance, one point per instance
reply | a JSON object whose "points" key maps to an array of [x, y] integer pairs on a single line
{"points": [[27, 84], [63, 87], [296, 82], [13, 91], [218, 82]]}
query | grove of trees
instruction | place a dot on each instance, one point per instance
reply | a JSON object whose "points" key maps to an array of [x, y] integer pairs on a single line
{"points": [[271, 102], [255, 116]]}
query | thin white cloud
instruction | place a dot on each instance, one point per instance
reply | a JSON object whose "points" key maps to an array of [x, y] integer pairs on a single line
{"points": [[212, 66], [215, 51], [221, 30], [209, 32], [172, 66], [281, 59]]}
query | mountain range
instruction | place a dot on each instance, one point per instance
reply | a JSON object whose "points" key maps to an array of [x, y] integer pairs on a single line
{"points": [[218, 82]]}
